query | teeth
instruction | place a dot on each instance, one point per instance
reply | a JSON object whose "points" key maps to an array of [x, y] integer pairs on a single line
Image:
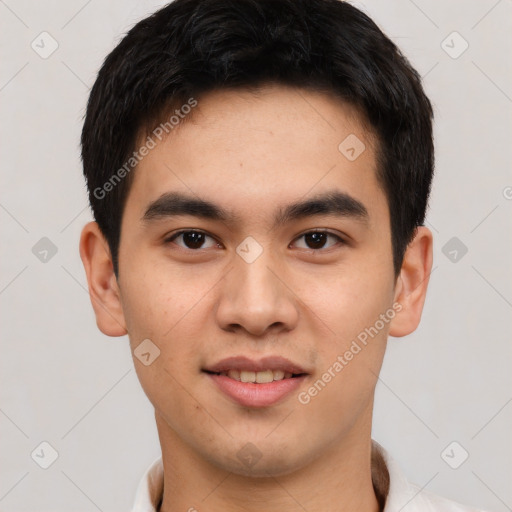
{"points": [[263, 377], [234, 374], [257, 377], [247, 376]]}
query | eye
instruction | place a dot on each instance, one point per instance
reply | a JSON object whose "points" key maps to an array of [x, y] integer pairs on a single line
{"points": [[316, 240], [192, 239]]}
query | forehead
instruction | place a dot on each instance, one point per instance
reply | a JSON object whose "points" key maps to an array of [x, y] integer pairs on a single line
{"points": [[245, 149]]}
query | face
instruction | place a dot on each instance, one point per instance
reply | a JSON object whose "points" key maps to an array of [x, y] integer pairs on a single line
{"points": [[254, 249]]}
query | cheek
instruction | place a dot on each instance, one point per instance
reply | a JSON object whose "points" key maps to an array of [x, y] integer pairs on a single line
{"points": [[152, 313], [358, 309], [158, 302], [352, 302], [342, 389]]}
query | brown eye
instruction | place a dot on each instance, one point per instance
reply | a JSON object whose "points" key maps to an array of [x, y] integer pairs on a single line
{"points": [[192, 240], [315, 240], [318, 240]]}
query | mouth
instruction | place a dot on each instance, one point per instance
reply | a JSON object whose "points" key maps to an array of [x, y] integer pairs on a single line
{"points": [[252, 383], [260, 377]]}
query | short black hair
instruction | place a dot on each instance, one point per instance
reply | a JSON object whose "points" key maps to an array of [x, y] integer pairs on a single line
{"points": [[192, 47]]}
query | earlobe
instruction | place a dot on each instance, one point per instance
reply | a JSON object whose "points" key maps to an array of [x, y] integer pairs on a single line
{"points": [[102, 282], [412, 283]]}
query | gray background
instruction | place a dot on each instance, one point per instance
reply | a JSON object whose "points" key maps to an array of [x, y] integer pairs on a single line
{"points": [[65, 383]]}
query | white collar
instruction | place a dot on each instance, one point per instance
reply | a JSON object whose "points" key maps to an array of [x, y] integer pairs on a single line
{"points": [[388, 479]]}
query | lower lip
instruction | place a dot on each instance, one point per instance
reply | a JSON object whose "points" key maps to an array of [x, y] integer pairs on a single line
{"points": [[249, 394]]}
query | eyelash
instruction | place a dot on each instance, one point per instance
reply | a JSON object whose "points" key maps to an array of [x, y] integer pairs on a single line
{"points": [[173, 237]]}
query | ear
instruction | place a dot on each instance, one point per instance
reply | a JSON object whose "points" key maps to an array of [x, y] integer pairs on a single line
{"points": [[412, 283], [103, 287]]}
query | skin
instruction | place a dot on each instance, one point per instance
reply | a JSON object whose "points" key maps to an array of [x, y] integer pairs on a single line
{"points": [[252, 153]]}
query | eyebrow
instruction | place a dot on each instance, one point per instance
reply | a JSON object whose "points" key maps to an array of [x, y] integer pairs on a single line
{"points": [[336, 203]]}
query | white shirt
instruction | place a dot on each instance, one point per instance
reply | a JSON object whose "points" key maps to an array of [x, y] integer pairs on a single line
{"points": [[401, 496]]}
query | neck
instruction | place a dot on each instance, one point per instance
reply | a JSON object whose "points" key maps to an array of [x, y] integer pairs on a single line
{"points": [[339, 479]]}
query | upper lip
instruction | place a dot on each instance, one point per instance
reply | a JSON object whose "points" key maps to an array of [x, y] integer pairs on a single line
{"points": [[251, 365]]}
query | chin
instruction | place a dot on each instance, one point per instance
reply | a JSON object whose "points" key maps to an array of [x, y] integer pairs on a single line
{"points": [[264, 462]]}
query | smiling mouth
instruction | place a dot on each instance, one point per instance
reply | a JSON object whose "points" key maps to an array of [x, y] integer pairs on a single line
{"points": [[261, 377]]}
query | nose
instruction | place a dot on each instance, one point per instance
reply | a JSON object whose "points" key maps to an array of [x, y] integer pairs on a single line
{"points": [[256, 298]]}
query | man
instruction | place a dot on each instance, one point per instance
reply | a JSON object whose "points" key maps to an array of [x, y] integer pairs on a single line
{"points": [[259, 173]]}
